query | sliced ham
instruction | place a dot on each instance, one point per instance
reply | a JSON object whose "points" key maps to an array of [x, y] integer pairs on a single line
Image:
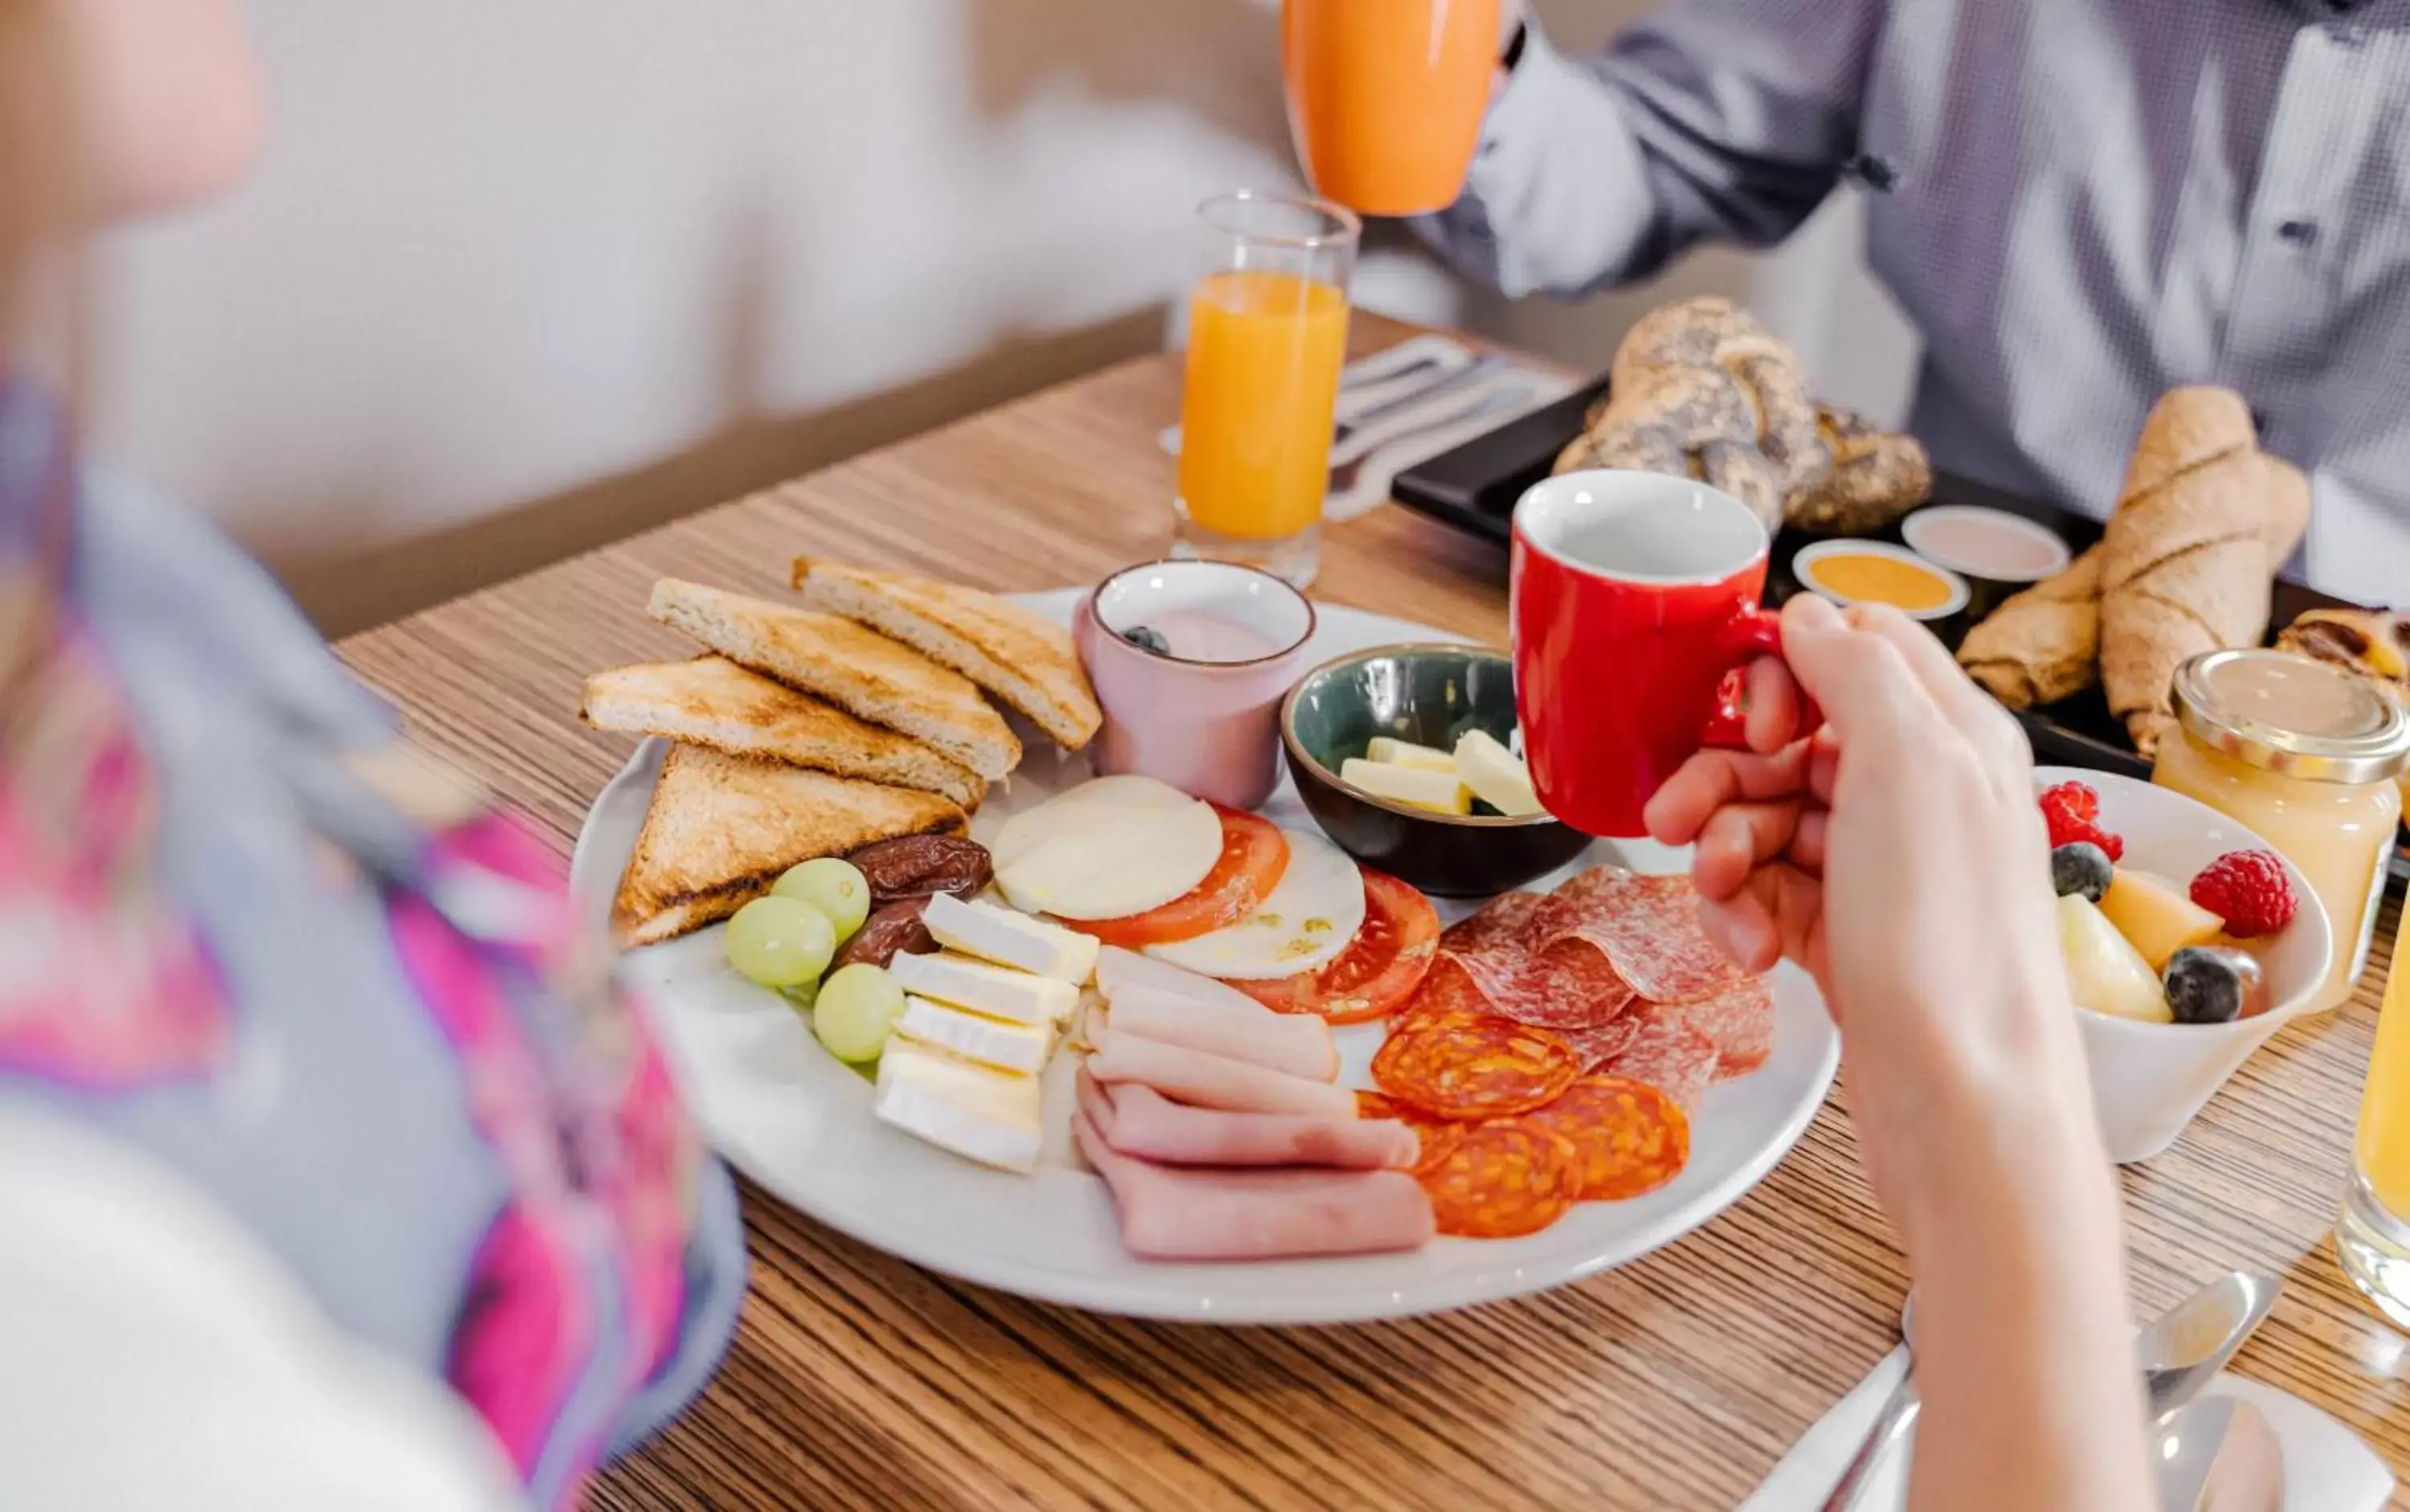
{"points": [[1136, 1120], [1118, 969], [1172, 1213], [1299, 1044], [1204, 1080]]}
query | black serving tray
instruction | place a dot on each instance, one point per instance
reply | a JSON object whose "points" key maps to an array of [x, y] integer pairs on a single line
{"points": [[1474, 486]]}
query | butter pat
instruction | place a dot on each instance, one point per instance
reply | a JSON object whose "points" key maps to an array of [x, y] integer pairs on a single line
{"points": [[1009, 939], [999, 992], [975, 1037], [1441, 793], [980, 1114], [1406, 753], [1495, 776]]}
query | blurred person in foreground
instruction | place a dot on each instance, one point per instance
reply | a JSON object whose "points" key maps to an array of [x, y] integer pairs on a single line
{"points": [[334, 1172], [2079, 204]]}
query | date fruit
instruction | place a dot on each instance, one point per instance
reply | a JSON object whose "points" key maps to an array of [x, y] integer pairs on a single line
{"points": [[923, 865], [891, 930]]}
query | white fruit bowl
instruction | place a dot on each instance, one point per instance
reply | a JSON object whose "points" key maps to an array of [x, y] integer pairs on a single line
{"points": [[2148, 1079]]}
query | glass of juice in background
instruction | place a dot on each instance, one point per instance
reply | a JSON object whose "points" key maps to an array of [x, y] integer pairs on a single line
{"points": [[1266, 337], [2373, 1237]]}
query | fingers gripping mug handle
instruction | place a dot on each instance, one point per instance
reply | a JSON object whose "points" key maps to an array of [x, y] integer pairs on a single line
{"points": [[1747, 637]]}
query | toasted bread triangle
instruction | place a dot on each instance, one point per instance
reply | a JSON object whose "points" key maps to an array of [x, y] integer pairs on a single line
{"points": [[1022, 658], [860, 671], [722, 828], [711, 701]]}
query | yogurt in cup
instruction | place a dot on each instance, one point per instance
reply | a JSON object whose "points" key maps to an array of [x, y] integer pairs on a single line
{"points": [[1190, 660]]}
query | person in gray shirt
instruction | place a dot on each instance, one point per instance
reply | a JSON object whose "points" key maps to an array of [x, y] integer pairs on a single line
{"points": [[2080, 204]]}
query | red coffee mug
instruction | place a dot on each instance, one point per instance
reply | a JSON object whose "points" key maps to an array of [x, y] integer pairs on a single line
{"points": [[1635, 605]]}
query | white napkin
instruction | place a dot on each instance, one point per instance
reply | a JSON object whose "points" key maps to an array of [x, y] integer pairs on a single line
{"points": [[2327, 1468]]}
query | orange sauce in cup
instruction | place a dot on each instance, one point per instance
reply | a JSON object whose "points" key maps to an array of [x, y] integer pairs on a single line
{"points": [[1867, 578]]}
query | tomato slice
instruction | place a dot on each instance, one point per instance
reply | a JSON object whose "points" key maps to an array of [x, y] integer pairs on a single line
{"points": [[1254, 856], [1377, 972]]}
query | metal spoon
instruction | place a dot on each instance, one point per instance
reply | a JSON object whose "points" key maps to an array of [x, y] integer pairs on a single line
{"points": [[2178, 1354]]}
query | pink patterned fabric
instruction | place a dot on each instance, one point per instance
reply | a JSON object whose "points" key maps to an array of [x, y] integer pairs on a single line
{"points": [[102, 987]]}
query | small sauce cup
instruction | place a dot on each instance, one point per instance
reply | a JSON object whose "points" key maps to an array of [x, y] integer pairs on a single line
{"points": [[1190, 660], [1997, 553], [1854, 571]]}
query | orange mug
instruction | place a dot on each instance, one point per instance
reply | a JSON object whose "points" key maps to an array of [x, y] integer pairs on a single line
{"points": [[1386, 96]]}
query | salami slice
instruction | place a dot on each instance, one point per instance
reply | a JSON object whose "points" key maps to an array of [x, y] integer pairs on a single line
{"points": [[1593, 1047], [1649, 929], [1467, 1066], [1503, 1180], [1740, 1021], [1629, 1138], [1669, 1053], [1437, 1135], [1499, 921]]}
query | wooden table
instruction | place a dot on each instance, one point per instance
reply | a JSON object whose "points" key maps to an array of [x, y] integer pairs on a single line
{"points": [[859, 1381]]}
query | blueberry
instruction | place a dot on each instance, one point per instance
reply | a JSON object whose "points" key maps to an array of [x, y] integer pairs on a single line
{"points": [[2203, 986], [1149, 637], [2081, 866]]}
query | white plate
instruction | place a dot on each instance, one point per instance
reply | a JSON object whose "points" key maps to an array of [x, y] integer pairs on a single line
{"points": [[799, 1122]]}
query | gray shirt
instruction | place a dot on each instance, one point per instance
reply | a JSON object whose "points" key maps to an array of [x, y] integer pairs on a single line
{"points": [[2079, 203]]}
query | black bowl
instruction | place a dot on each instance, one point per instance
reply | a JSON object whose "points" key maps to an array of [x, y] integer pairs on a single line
{"points": [[1431, 695]]}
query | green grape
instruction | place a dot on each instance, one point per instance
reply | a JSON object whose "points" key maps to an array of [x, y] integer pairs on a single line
{"points": [[802, 998], [857, 1011], [780, 943], [832, 886]]}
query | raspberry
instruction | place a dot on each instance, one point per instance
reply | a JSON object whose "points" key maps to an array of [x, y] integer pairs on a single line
{"points": [[2075, 799], [2073, 810], [2249, 889]]}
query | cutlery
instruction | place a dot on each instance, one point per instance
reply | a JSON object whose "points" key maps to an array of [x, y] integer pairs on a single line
{"points": [[2178, 1354], [1356, 421], [2188, 1346], [1889, 1427], [2221, 1456], [1410, 355], [1348, 473]]}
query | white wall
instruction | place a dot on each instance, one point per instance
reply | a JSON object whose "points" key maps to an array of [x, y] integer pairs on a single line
{"points": [[522, 275]]}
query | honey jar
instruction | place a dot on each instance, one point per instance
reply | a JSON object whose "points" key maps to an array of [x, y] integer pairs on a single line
{"points": [[2305, 755]]}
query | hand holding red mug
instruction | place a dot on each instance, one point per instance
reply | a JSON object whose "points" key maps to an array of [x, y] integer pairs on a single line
{"points": [[1939, 953]]}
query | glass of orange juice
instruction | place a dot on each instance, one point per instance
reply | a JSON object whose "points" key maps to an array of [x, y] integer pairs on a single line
{"points": [[2373, 1239], [1267, 335]]}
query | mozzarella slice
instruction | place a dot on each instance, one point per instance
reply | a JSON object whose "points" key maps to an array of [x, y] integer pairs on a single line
{"points": [[1106, 849], [1310, 918]]}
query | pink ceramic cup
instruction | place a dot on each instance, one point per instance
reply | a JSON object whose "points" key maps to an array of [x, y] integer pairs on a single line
{"points": [[1190, 661]]}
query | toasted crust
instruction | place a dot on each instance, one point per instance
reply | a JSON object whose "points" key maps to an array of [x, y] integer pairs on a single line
{"points": [[711, 701], [1024, 660], [722, 828], [860, 671]]}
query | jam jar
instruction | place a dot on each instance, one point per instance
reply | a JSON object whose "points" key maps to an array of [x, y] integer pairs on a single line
{"points": [[2305, 755]]}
